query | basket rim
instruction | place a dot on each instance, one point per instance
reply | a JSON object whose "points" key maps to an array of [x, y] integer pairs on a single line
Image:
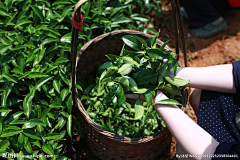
{"points": [[97, 127]]}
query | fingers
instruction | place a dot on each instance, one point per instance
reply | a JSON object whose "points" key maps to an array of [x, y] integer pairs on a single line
{"points": [[135, 96]]}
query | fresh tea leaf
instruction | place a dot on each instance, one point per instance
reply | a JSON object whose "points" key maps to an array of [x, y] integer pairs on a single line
{"points": [[125, 69], [132, 42], [168, 102], [139, 109], [156, 54], [144, 77], [177, 81]]}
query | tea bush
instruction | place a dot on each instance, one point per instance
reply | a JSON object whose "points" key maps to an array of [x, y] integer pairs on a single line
{"points": [[35, 35]]}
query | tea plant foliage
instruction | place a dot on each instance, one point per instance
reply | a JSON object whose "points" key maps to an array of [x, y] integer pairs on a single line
{"points": [[141, 70], [35, 35]]}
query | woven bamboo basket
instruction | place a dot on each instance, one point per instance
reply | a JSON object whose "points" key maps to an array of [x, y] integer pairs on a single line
{"points": [[104, 144]]}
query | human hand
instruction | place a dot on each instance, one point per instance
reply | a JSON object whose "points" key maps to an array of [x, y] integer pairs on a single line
{"points": [[159, 96]]}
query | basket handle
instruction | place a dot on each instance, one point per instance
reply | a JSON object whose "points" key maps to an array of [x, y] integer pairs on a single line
{"points": [[74, 46], [78, 5]]}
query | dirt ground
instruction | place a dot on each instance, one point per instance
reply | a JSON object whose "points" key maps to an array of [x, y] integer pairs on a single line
{"points": [[223, 48]]}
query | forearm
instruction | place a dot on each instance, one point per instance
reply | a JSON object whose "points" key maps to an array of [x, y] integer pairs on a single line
{"points": [[191, 137], [215, 78]]}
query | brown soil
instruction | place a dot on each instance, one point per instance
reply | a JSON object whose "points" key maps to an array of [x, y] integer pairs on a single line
{"points": [[223, 48]]}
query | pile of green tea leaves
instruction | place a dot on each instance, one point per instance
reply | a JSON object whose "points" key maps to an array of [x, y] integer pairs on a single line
{"points": [[139, 70]]}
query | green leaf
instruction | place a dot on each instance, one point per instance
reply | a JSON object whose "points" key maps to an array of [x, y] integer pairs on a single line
{"points": [[141, 90], [173, 90], [133, 53], [20, 40], [29, 45], [13, 117], [150, 30], [0, 128], [27, 104], [106, 65], [48, 40], [144, 76], [120, 95], [8, 133], [129, 60], [160, 79], [20, 140], [52, 136], [4, 145], [4, 12], [163, 46], [132, 84], [148, 97], [132, 42], [41, 82], [61, 122], [156, 54], [122, 80], [4, 48], [9, 19], [32, 123], [55, 105], [5, 41], [78, 87], [144, 44], [62, 2], [38, 12], [121, 20], [100, 6], [28, 147], [139, 109], [172, 64], [69, 104], [61, 60], [64, 77], [56, 85], [42, 157], [177, 81], [64, 93], [32, 134], [109, 72], [138, 17], [4, 109], [9, 77], [17, 70], [21, 156], [41, 55], [36, 75], [125, 69], [51, 32], [5, 59], [164, 71], [66, 38], [69, 125], [168, 102], [109, 79], [154, 40], [22, 22], [45, 112], [48, 149]]}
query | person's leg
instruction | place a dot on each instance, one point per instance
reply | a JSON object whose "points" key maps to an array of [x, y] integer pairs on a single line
{"points": [[200, 12], [220, 4], [204, 17]]}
